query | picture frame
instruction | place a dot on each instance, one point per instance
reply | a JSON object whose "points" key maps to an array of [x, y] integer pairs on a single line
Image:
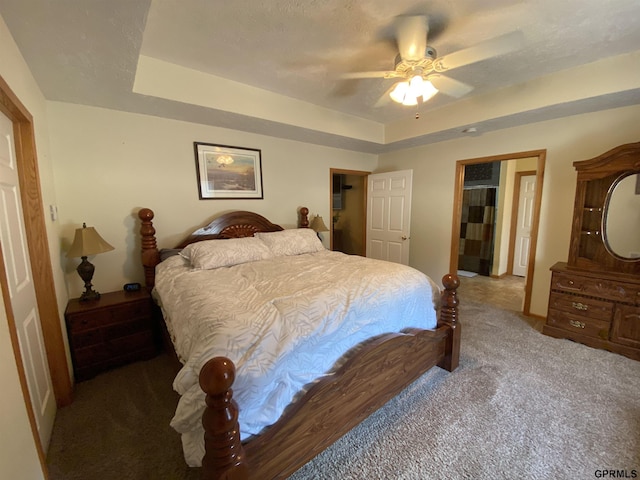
{"points": [[226, 172]]}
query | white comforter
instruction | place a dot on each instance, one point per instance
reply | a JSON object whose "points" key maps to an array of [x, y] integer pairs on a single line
{"points": [[283, 321]]}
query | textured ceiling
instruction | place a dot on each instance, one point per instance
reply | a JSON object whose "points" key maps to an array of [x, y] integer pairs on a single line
{"points": [[88, 52]]}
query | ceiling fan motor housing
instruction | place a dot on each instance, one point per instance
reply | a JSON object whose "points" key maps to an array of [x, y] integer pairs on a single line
{"points": [[408, 68], [430, 52]]}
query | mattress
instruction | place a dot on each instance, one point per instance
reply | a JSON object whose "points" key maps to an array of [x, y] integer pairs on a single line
{"points": [[284, 321]]}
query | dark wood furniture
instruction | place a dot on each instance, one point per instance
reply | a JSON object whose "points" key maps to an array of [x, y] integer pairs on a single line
{"points": [[114, 330], [333, 405], [595, 296]]}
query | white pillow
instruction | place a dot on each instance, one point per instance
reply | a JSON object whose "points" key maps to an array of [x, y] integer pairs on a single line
{"points": [[295, 241], [210, 254]]}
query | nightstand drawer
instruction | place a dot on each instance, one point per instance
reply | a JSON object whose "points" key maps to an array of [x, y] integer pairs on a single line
{"points": [[86, 338], [583, 306], [101, 317], [124, 346], [90, 355], [131, 343], [578, 324], [125, 329]]}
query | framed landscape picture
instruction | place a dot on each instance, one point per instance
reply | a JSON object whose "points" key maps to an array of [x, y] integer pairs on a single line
{"points": [[228, 172]]}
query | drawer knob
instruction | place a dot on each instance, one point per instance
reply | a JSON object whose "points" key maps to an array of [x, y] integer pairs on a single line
{"points": [[580, 306], [577, 324]]}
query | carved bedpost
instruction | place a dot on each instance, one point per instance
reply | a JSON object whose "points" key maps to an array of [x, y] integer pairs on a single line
{"points": [[150, 253], [304, 217], [449, 316], [224, 457]]}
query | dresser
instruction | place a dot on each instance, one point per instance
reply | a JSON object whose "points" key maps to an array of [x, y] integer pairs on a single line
{"points": [[114, 330], [595, 296], [599, 310]]}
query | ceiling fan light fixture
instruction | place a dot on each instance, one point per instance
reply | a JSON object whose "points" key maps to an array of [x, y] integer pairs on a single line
{"points": [[415, 85], [428, 90], [408, 92], [399, 93], [410, 100]]}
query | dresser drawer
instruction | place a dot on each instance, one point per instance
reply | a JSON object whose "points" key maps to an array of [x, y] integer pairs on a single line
{"points": [[105, 316], [578, 324], [602, 288], [582, 306]]}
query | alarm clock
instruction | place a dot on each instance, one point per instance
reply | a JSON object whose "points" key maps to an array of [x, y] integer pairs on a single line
{"points": [[131, 287]]}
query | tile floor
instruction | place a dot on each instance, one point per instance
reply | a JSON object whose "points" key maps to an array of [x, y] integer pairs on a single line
{"points": [[505, 292]]}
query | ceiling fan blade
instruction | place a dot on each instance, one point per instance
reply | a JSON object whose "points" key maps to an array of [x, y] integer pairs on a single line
{"points": [[411, 35], [385, 99], [365, 75], [449, 86], [506, 43]]}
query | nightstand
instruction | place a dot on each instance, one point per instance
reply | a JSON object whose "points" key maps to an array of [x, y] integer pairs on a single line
{"points": [[114, 330]]}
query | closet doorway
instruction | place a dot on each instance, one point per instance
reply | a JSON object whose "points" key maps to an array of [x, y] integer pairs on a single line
{"points": [[484, 220], [348, 205]]}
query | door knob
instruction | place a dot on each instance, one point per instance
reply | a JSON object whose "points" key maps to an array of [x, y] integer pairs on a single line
{"points": [[404, 237]]}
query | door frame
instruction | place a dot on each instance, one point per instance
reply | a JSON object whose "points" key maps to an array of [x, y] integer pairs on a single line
{"points": [[514, 217], [457, 212], [41, 270], [357, 173]]}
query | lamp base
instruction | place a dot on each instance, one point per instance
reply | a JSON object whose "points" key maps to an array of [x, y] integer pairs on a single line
{"points": [[89, 295], [85, 270]]}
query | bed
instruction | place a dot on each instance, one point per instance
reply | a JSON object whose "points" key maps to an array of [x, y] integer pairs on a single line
{"points": [[365, 377]]}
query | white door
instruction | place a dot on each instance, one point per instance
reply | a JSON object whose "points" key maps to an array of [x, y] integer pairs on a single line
{"points": [[389, 216], [523, 228], [21, 288]]}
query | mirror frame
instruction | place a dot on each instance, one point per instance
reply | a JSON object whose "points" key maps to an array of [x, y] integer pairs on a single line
{"points": [[605, 216]]}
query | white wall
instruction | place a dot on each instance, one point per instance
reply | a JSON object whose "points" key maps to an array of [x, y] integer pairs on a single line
{"points": [[566, 140], [18, 454], [109, 164], [503, 218]]}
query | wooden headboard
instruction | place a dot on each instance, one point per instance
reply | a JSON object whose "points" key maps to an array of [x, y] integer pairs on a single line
{"points": [[236, 224]]}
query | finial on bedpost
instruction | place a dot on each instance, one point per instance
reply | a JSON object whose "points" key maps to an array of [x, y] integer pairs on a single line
{"points": [[449, 316], [150, 253], [224, 456], [304, 217]]}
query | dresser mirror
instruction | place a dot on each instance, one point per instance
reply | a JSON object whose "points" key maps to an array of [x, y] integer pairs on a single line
{"points": [[621, 218]]}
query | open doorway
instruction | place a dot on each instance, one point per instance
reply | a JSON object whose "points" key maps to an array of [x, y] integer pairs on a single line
{"points": [[348, 203], [498, 253]]}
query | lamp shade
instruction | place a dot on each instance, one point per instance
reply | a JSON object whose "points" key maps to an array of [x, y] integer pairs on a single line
{"points": [[87, 242], [318, 225]]}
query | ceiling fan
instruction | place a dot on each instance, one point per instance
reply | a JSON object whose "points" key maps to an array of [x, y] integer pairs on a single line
{"points": [[420, 69]]}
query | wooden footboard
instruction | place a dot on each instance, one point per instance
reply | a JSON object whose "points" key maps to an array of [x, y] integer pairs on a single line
{"points": [[331, 407]]}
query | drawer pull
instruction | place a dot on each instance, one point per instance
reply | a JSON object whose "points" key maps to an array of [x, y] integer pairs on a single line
{"points": [[580, 306], [575, 323]]}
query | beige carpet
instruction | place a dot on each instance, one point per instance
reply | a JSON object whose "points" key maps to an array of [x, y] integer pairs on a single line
{"points": [[522, 405]]}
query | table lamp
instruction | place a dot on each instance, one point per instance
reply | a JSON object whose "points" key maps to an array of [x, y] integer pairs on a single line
{"points": [[87, 242], [317, 224]]}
